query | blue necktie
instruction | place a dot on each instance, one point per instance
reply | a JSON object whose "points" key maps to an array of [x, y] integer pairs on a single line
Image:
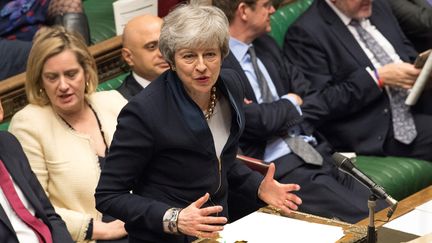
{"points": [[403, 122]]}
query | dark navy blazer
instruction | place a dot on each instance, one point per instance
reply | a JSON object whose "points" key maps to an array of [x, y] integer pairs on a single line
{"points": [[130, 87], [164, 153]]}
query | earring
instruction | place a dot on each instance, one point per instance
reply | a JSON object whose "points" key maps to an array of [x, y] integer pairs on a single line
{"points": [[173, 68], [41, 91]]}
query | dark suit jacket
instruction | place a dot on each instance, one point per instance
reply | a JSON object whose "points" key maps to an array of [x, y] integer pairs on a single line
{"points": [[270, 120], [17, 165], [415, 19], [163, 151], [351, 112], [130, 87]]}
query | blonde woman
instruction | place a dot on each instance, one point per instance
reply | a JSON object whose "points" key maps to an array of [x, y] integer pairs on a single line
{"points": [[66, 130]]}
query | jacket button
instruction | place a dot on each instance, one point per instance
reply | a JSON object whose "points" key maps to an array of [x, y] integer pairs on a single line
{"points": [[379, 138], [386, 111]]}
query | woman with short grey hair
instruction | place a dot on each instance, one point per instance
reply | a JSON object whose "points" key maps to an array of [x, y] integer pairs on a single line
{"points": [[176, 34], [176, 141]]}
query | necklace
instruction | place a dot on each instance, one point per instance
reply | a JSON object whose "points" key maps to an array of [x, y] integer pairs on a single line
{"points": [[99, 124], [212, 104]]}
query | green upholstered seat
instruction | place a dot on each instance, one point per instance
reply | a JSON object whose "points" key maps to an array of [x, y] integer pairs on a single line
{"points": [[101, 19], [399, 176], [285, 16], [112, 83], [4, 126]]}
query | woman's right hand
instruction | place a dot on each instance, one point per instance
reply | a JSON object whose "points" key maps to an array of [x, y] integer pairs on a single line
{"points": [[108, 231], [195, 221]]}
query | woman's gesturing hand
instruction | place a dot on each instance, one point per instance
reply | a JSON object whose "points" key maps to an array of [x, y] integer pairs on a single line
{"points": [[196, 221], [278, 195]]}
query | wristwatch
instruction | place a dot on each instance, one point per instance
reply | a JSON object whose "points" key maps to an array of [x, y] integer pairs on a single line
{"points": [[170, 220]]}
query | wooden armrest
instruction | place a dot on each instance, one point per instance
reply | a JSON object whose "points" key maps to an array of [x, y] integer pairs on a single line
{"points": [[254, 164]]}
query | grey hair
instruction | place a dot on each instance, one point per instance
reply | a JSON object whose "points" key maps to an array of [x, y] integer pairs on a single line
{"points": [[193, 26]]}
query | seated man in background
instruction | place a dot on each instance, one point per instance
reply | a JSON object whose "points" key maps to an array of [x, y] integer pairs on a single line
{"points": [[274, 128], [26, 214], [357, 57], [141, 52], [415, 19]]}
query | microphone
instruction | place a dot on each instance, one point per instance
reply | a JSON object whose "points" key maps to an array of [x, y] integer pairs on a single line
{"points": [[346, 165]]}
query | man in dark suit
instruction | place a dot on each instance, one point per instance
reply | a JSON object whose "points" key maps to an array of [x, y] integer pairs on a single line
{"points": [[324, 190], [12, 228], [415, 19], [141, 52], [332, 44]]}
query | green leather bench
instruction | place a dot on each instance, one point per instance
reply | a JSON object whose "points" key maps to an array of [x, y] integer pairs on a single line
{"points": [[284, 17], [400, 177], [112, 83]]}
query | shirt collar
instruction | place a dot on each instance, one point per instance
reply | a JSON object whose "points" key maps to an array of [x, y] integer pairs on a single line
{"points": [[238, 48], [142, 81], [345, 19]]}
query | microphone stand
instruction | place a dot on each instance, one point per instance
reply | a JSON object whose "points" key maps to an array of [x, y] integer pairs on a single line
{"points": [[371, 233]]}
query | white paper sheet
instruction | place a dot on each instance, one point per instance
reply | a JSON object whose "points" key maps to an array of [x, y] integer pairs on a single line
{"points": [[125, 10], [417, 222], [264, 228], [426, 207]]}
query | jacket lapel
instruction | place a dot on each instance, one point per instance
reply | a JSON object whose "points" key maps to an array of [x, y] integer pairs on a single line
{"points": [[228, 79], [21, 181], [231, 62], [380, 20], [189, 112], [4, 220], [133, 86], [271, 67], [3, 217]]}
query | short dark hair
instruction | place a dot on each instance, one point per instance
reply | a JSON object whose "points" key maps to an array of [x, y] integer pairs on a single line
{"points": [[229, 6]]}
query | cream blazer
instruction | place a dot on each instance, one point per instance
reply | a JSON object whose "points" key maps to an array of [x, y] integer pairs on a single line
{"points": [[63, 160]]}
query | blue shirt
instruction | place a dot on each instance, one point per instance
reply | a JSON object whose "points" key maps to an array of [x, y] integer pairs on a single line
{"points": [[276, 147]]}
